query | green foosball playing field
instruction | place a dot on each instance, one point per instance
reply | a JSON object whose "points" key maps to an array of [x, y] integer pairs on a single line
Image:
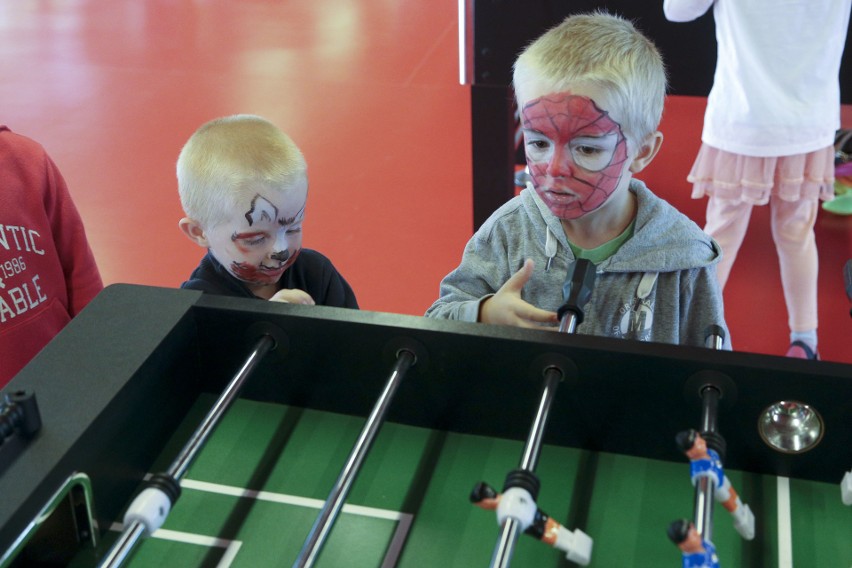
{"points": [[254, 492]]}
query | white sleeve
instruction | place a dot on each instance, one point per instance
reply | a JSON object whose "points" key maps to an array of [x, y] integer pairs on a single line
{"points": [[685, 10]]}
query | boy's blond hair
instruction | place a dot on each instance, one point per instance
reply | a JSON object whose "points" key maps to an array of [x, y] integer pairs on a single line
{"points": [[603, 50], [227, 157]]}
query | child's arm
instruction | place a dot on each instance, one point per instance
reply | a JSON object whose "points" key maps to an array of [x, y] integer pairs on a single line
{"points": [[479, 275], [702, 305], [685, 10], [486, 270]]}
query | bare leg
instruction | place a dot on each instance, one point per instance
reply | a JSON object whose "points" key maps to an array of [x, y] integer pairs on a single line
{"points": [[793, 232], [727, 221]]}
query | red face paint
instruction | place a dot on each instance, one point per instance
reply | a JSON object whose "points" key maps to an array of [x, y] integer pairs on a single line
{"points": [[258, 244], [575, 153], [241, 239], [262, 273]]}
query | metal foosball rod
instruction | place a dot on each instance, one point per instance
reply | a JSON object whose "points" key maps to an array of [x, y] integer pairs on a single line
{"points": [[520, 483], [695, 538], [716, 485], [324, 522], [149, 509], [704, 488], [517, 506], [705, 450]]}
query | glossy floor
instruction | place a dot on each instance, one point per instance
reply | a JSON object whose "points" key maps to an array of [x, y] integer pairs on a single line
{"points": [[368, 89]]}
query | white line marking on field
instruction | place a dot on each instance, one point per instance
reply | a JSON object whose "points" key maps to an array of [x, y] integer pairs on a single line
{"points": [[231, 546], [785, 529], [290, 499]]}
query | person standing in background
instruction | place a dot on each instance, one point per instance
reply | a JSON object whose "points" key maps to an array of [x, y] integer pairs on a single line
{"points": [[768, 135], [47, 269]]}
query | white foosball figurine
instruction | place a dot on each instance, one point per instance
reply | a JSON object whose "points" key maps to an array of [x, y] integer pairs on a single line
{"points": [[518, 504], [846, 488]]}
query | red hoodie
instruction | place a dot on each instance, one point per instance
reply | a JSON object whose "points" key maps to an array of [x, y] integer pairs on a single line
{"points": [[47, 270]]}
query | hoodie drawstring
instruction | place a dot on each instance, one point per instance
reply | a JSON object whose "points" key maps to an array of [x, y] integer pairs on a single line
{"points": [[646, 285], [549, 249]]}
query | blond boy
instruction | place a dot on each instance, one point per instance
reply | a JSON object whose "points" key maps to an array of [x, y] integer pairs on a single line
{"points": [[590, 95], [243, 185]]}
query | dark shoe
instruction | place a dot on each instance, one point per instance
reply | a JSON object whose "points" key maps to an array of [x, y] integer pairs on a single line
{"points": [[800, 350]]}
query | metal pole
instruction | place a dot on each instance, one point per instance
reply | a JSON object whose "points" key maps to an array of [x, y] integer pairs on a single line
{"points": [[709, 409], [576, 292], [552, 376], [502, 556], [465, 16], [131, 534], [705, 488], [704, 494], [568, 324], [181, 463], [505, 547], [324, 522]]}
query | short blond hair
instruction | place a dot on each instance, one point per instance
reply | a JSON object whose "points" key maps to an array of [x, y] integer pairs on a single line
{"points": [[604, 50], [229, 156]]}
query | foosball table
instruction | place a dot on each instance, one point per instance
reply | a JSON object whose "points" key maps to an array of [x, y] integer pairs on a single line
{"points": [[279, 434]]}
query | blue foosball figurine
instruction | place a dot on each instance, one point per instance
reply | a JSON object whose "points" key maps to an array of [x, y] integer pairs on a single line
{"points": [[705, 462], [696, 552]]}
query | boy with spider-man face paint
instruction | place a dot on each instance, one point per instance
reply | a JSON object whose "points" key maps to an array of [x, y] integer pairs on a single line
{"points": [[590, 95], [243, 185]]}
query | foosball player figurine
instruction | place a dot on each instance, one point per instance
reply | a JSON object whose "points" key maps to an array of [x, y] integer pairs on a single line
{"points": [[696, 552], [705, 462], [576, 545], [846, 488]]}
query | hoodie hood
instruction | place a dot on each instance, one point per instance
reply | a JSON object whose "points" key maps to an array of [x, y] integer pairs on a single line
{"points": [[664, 239]]}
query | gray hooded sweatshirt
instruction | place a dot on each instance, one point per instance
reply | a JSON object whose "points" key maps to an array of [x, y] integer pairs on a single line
{"points": [[659, 286]]}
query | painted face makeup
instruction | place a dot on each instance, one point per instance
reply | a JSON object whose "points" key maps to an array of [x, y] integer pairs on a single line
{"points": [[258, 245], [575, 151]]}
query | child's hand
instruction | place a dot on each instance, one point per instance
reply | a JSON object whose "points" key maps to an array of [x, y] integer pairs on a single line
{"points": [[507, 308], [293, 296]]}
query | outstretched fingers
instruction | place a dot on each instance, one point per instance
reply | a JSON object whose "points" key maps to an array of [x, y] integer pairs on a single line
{"points": [[519, 279], [532, 317], [506, 306]]}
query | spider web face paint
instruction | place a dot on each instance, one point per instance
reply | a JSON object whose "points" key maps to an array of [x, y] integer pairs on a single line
{"points": [[575, 152]]}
